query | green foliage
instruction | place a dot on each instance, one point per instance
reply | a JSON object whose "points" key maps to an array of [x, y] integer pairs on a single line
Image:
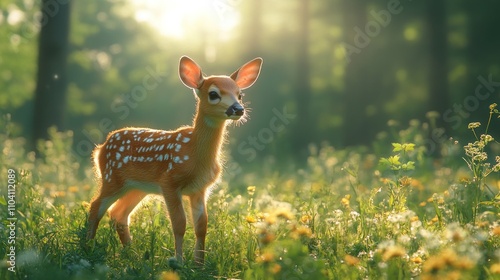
{"points": [[370, 221], [471, 192]]}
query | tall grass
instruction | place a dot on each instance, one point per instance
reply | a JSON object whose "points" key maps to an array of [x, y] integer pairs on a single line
{"points": [[349, 214]]}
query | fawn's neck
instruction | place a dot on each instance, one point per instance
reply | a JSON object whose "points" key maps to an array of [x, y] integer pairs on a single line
{"points": [[208, 135]]}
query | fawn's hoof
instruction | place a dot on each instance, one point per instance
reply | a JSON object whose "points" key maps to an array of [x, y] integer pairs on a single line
{"points": [[174, 263]]}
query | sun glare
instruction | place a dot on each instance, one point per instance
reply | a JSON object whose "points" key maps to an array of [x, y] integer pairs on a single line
{"points": [[179, 18]]}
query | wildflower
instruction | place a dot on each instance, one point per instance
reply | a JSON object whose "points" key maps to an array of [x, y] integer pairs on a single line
{"points": [[284, 213], [262, 216], [58, 194], [50, 220], [275, 269], [250, 219], [455, 233], [495, 268], [266, 237], [473, 125], [351, 260], [266, 257], [493, 106], [251, 190], [414, 219], [345, 200], [270, 219], [496, 231], [486, 138], [464, 263], [405, 181], [393, 252], [416, 184], [169, 275], [422, 204], [432, 115], [302, 231], [305, 219], [453, 275], [417, 260], [434, 264], [73, 189]]}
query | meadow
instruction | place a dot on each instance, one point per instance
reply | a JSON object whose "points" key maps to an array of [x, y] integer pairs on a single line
{"points": [[388, 212]]}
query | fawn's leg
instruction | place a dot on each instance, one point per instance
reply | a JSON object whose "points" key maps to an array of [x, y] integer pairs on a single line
{"points": [[200, 220], [120, 213], [173, 200], [97, 209]]}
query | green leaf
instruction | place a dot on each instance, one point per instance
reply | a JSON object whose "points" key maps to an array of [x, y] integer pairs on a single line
{"points": [[408, 147], [397, 147], [394, 160]]}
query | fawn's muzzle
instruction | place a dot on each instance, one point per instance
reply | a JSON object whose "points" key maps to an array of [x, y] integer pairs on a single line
{"points": [[235, 109]]}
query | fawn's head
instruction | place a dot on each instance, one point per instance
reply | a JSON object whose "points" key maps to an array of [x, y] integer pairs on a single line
{"points": [[220, 97]]}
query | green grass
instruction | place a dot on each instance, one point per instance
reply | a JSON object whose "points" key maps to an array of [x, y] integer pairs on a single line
{"points": [[348, 214]]}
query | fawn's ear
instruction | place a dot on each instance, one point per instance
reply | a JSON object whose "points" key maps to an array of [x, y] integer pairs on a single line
{"points": [[248, 73], [190, 73]]}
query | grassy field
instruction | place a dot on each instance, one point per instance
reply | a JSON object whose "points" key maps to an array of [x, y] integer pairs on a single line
{"points": [[392, 213]]}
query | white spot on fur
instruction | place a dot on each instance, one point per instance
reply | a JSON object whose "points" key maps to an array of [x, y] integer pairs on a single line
{"points": [[185, 140], [178, 137], [177, 147], [122, 149], [186, 157], [119, 165], [118, 156]]}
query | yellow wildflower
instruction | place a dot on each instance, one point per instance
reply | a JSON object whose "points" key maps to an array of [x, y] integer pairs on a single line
{"points": [[495, 268], [393, 252], [275, 269], [305, 219], [266, 257], [417, 260], [251, 190], [169, 275], [351, 260], [250, 219], [496, 231]]}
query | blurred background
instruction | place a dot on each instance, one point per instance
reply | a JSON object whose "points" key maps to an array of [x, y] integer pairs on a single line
{"points": [[344, 72]]}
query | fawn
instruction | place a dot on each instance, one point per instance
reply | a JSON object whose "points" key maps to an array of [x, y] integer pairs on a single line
{"points": [[134, 162]]}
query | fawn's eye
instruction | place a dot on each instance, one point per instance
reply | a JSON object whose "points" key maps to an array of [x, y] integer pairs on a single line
{"points": [[213, 97]]}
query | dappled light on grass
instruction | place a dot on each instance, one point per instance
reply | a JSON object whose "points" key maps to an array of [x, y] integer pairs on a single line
{"points": [[348, 213]]}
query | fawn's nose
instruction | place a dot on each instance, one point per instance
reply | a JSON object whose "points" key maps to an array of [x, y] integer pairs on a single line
{"points": [[235, 109]]}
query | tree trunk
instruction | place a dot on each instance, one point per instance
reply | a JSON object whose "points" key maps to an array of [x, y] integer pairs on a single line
{"points": [[439, 99], [50, 93], [358, 80], [302, 131]]}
